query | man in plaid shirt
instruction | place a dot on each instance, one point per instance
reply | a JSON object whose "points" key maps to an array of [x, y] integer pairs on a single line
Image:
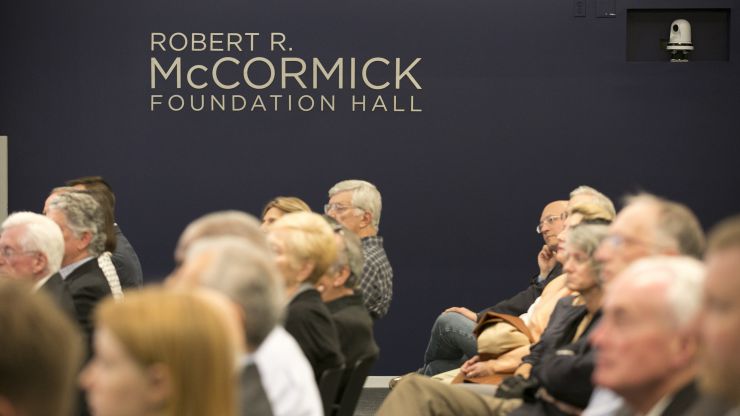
{"points": [[357, 204]]}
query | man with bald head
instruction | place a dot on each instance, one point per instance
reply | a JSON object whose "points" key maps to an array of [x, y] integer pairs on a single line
{"points": [[452, 340]]}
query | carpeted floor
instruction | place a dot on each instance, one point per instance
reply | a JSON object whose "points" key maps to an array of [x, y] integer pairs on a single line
{"points": [[370, 401]]}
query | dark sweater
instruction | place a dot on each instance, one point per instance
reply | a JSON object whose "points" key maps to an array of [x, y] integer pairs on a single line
{"points": [[310, 323]]}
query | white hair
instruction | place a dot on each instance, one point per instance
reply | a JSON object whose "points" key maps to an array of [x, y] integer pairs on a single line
{"points": [[40, 234], [246, 273], [683, 279], [364, 196], [597, 198]]}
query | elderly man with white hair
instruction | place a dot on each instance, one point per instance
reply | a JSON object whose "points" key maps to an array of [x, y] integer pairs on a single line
{"points": [[31, 249], [647, 342], [356, 204]]}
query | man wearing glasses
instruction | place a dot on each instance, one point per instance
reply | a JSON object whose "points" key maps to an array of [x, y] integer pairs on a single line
{"points": [[31, 249], [356, 205]]}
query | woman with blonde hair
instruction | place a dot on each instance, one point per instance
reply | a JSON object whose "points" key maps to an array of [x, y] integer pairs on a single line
{"points": [[280, 206], [161, 353], [305, 247]]}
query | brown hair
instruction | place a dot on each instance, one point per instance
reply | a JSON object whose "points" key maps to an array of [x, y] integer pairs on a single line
{"points": [[187, 335], [41, 352], [287, 204]]}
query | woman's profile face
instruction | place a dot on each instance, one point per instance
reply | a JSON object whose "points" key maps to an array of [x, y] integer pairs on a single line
{"points": [[115, 384], [271, 215], [580, 274]]}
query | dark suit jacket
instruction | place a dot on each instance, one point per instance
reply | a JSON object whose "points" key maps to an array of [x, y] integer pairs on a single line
{"points": [[126, 262], [88, 286], [309, 322], [253, 399], [688, 401], [355, 328], [59, 292]]}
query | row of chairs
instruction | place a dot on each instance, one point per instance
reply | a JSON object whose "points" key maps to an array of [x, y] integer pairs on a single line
{"points": [[341, 387]]}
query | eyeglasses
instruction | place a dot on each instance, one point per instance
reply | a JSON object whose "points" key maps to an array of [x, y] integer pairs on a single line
{"points": [[338, 208], [8, 252], [549, 221], [617, 240]]}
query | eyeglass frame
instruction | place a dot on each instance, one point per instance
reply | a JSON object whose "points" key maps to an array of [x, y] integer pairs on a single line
{"points": [[549, 220], [338, 208]]}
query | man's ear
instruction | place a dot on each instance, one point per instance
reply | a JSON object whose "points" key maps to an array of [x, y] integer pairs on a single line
{"points": [[84, 240], [340, 278], [39, 263], [367, 219]]}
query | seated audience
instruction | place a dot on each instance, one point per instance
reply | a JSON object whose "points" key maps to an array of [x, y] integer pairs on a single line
{"points": [[280, 206], [81, 220], [31, 249], [719, 362], [40, 356], [160, 353], [357, 205], [561, 362], [338, 291], [647, 225], [647, 342], [227, 251], [539, 313], [305, 247]]}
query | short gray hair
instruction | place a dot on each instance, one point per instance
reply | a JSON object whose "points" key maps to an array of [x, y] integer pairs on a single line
{"points": [[587, 238], [677, 225], [351, 255], [364, 196], [596, 198], [247, 274], [40, 234], [683, 278], [83, 214], [221, 223]]}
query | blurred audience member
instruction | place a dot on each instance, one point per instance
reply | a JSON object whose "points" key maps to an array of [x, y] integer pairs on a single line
{"points": [[40, 355], [647, 342], [160, 353], [720, 326]]}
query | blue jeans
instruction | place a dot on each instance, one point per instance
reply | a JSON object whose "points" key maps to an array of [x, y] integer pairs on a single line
{"points": [[452, 343]]}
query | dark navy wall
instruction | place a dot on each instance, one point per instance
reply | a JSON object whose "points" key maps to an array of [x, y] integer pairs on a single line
{"points": [[521, 102]]}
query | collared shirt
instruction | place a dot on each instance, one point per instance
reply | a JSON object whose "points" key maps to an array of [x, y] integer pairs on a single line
{"points": [[376, 283], [286, 375], [68, 269]]}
